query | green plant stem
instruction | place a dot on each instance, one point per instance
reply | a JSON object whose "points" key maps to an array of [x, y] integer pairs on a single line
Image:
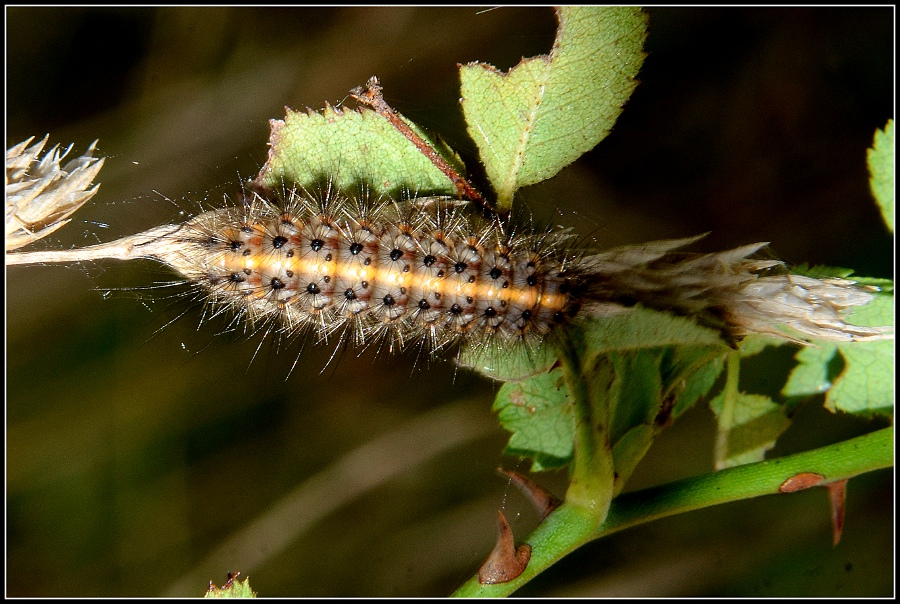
{"points": [[593, 473], [569, 526], [729, 401]]}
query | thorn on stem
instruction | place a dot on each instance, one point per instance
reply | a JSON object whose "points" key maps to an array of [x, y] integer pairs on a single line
{"points": [[543, 500], [507, 561], [798, 482], [837, 492]]}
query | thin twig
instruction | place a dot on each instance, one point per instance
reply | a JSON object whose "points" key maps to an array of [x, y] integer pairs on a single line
{"points": [[370, 95], [155, 243]]}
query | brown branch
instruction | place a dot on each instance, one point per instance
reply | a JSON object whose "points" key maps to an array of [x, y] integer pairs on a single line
{"points": [[370, 96]]}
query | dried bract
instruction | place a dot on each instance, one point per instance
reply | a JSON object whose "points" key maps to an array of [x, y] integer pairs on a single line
{"points": [[41, 194]]}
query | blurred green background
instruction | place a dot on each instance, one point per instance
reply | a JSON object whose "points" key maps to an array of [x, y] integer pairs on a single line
{"points": [[138, 442]]}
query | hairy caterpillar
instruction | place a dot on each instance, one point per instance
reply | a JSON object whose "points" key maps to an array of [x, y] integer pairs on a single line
{"points": [[421, 271]]}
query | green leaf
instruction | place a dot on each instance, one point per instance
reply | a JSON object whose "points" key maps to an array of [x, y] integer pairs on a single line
{"points": [[631, 329], [538, 413], [885, 286], [633, 361], [651, 388], [749, 428], [652, 353], [824, 272], [748, 424], [637, 392], [866, 384], [756, 343], [544, 113], [510, 363], [645, 328], [821, 271], [811, 375], [351, 149], [690, 374], [634, 400], [881, 168]]}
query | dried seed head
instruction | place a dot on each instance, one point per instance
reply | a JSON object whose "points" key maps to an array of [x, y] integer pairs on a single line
{"points": [[41, 194], [730, 290]]}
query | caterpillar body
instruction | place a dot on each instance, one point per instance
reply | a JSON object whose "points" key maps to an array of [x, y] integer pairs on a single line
{"points": [[424, 270], [429, 271]]}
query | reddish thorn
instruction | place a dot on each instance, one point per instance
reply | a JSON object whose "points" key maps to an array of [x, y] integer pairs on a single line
{"points": [[798, 482], [837, 491], [543, 500], [507, 561]]}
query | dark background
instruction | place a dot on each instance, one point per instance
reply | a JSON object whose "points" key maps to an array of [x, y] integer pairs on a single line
{"points": [[135, 446]]}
